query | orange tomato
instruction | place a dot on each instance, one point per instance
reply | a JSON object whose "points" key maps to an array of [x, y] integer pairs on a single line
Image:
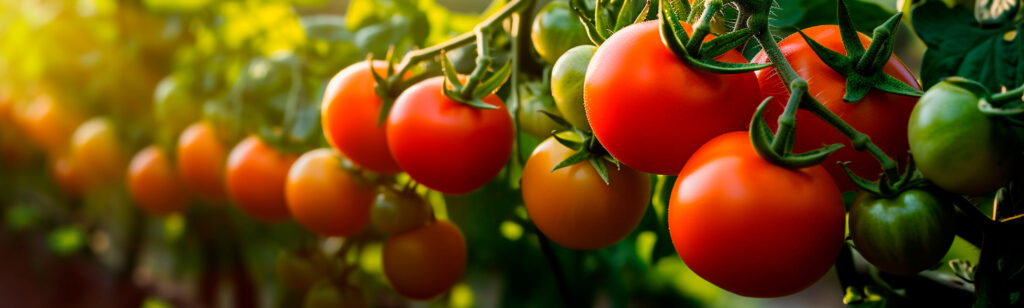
{"points": [[201, 161], [47, 124], [65, 175], [325, 198], [153, 184], [96, 153], [349, 114], [255, 178], [425, 262]]}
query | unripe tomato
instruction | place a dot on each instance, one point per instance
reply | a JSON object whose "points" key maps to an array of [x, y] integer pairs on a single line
{"points": [[300, 271], [325, 198], [531, 119], [752, 227], [326, 294], [47, 124], [349, 114], [651, 110], [425, 262], [154, 185], [446, 145], [97, 153], [905, 234], [556, 29], [255, 178], [567, 84], [201, 161], [957, 147], [880, 115], [173, 109], [397, 211], [575, 208]]}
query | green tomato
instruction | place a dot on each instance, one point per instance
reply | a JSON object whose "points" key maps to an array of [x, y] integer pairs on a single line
{"points": [[956, 146], [567, 84], [396, 211], [902, 235], [298, 272], [556, 29], [534, 100], [325, 294]]}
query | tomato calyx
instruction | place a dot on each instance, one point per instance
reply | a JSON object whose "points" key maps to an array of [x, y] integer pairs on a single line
{"points": [[693, 50], [863, 68], [889, 188], [602, 26], [1008, 105], [476, 87], [587, 149], [777, 147]]}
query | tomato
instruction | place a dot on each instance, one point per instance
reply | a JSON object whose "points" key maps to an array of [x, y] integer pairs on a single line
{"points": [[396, 211], [201, 161], [97, 153], [66, 175], [880, 115], [556, 29], [575, 208], [446, 145], [751, 227], [325, 198], [905, 234], [299, 271], [173, 108], [957, 147], [425, 262], [6, 104], [349, 114], [46, 123], [531, 119], [567, 84], [255, 178], [652, 111], [326, 294], [154, 185]]}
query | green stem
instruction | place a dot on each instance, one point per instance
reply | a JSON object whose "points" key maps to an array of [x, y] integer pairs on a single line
{"points": [[1008, 96], [483, 61], [787, 121], [860, 141], [703, 27]]}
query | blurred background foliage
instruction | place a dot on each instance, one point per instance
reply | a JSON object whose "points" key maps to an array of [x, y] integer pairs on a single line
{"points": [[154, 66]]}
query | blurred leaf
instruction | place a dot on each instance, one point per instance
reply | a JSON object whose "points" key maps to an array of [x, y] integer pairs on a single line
{"points": [[326, 27], [21, 217], [66, 240]]}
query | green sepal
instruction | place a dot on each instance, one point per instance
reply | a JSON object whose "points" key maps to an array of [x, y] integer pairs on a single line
{"points": [[480, 104], [573, 159], [851, 40], [616, 162], [384, 93], [572, 144], [558, 119], [643, 13], [600, 168], [724, 43], [861, 183], [718, 67], [880, 49], [450, 75], [494, 82], [675, 38], [672, 33], [628, 15], [761, 137], [835, 60]]}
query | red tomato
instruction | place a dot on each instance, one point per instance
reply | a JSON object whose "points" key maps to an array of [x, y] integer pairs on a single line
{"points": [[46, 123], [325, 198], [445, 145], [574, 207], [349, 115], [255, 179], [154, 185], [882, 116], [752, 227], [425, 262], [650, 110], [201, 161]]}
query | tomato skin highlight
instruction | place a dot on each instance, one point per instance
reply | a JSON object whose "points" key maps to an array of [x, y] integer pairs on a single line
{"points": [[46, 123], [425, 262], [652, 111], [349, 114], [751, 227], [255, 178], [154, 185], [446, 145], [201, 161], [97, 153], [905, 234], [325, 198], [573, 207], [880, 115]]}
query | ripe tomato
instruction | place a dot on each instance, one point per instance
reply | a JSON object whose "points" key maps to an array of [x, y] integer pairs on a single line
{"points": [[154, 185], [65, 175], [567, 84], [903, 235], [397, 211], [752, 227], [201, 161], [652, 111], [255, 179], [880, 115], [423, 263], [574, 207], [46, 123], [349, 115], [97, 153], [325, 198], [957, 147], [556, 29], [446, 145]]}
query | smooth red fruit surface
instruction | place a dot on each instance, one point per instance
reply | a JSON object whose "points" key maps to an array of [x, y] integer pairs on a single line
{"points": [[325, 198], [751, 227], [446, 145], [154, 185], [882, 116], [650, 110], [425, 262], [46, 123], [255, 179], [201, 161], [574, 207], [349, 114]]}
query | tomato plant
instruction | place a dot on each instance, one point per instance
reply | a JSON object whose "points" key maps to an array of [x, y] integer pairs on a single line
{"points": [[255, 179], [97, 153], [567, 84], [555, 30], [445, 145], [46, 123], [536, 100], [326, 198], [349, 117], [904, 234], [201, 161], [752, 227], [423, 263], [153, 183]]}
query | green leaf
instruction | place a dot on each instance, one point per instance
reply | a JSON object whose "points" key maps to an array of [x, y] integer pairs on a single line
{"points": [[495, 81], [329, 28], [572, 144], [477, 103], [66, 240], [450, 75], [632, 10], [598, 165], [603, 20]]}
